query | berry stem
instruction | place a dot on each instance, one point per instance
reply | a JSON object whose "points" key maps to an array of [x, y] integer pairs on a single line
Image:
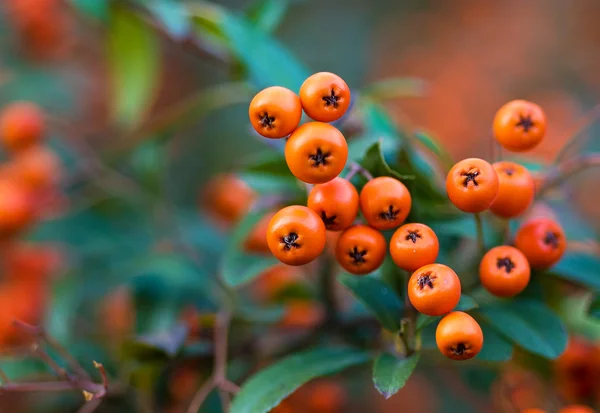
{"points": [[506, 231], [357, 168], [479, 227], [566, 169]]}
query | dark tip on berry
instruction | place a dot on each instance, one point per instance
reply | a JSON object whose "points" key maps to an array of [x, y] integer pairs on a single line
{"points": [[459, 349], [390, 214], [319, 158], [358, 257], [426, 279], [289, 241], [525, 122], [470, 176], [331, 100], [508, 171], [266, 121], [551, 238], [328, 221], [505, 263], [413, 235]]}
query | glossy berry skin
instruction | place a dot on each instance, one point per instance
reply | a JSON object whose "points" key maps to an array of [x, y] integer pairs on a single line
{"points": [[21, 125], [325, 97], [577, 408], [504, 271], [542, 241], [17, 208], [360, 249], [519, 125], [472, 185], [385, 202], [515, 191], [316, 152], [336, 202], [275, 112], [413, 246], [296, 235], [434, 289], [459, 336]]}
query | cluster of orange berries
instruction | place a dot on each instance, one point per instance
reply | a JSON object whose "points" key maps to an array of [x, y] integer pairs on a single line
{"points": [[316, 153]]}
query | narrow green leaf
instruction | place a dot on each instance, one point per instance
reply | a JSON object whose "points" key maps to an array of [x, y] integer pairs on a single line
{"points": [[97, 9], [466, 303], [378, 297], [239, 267], [495, 347], [390, 374], [374, 162], [267, 14], [134, 58], [166, 343], [173, 17], [580, 268], [267, 388], [528, 324], [394, 88]]}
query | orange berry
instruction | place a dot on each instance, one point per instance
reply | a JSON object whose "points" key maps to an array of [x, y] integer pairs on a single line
{"points": [[275, 112], [577, 408], [360, 249], [336, 202], [325, 97], [36, 167], [459, 336], [325, 396], [504, 271], [316, 152], [302, 314], [17, 209], [519, 125], [413, 246], [578, 369], [434, 289], [274, 280], [228, 198], [515, 191], [21, 125], [542, 241], [385, 203], [256, 242], [533, 411], [472, 185], [296, 235]]}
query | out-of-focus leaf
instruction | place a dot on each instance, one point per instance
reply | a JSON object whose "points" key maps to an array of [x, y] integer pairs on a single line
{"points": [[394, 88], [267, 388], [378, 297], [267, 14], [134, 58], [375, 163], [268, 173], [594, 308], [529, 324], [275, 66], [435, 147], [94, 8], [390, 374], [464, 227], [166, 343], [239, 267], [580, 268], [254, 314], [466, 303], [495, 347], [173, 17]]}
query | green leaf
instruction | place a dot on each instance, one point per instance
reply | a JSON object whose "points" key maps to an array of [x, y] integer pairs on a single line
{"points": [[267, 61], [374, 162], [133, 56], [239, 267], [594, 308], [267, 14], [378, 297], [528, 324], [495, 347], [97, 9], [267, 388], [435, 147], [390, 374], [393, 88], [466, 303], [166, 343], [579, 267], [173, 17]]}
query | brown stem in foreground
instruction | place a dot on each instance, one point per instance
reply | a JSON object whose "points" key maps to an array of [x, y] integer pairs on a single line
{"points": [[566, 169], [357, 168]]}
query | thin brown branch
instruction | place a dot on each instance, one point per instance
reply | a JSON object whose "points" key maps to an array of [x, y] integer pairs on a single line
{"points": [[565, 170], [90, 407], [355, 168], [45, 357], [229, 386], [201, 395], [102, 371], [221, 343], [54, 386], [582, 125]]}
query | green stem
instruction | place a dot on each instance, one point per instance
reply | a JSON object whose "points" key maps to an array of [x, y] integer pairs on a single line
{"points": [[327, 284], [479, 226]]}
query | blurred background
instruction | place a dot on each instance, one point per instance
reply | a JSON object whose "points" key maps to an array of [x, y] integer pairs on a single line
{"points": [[100, 258]]}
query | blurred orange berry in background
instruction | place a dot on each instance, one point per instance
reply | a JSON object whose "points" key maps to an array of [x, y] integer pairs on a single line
{"points": [[117, 313], [22, 125], [36, 167], [23, 300], [256, 242], [17, 208], [578, 408], [274, 280], [533, 411], [577, 370], [227, 198], [302, 314], [32, 260]]}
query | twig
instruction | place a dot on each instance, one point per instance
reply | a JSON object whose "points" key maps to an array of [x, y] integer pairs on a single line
{"points": [[97, 390], [45, 357], [566, 169], [357, 168], [583, 123], [229, 387], [201, 395], [479, 227], [90, 406]]}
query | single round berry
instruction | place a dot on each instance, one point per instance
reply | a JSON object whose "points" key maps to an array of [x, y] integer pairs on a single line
{"points": [[542, 241], [385, 202], [360, 249], [459, 336], [519, 125], [275, 112], [336, 202], [434, 289], [504, 271], [413, 246], [325, 97], [472, 185], [516, 189]]}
